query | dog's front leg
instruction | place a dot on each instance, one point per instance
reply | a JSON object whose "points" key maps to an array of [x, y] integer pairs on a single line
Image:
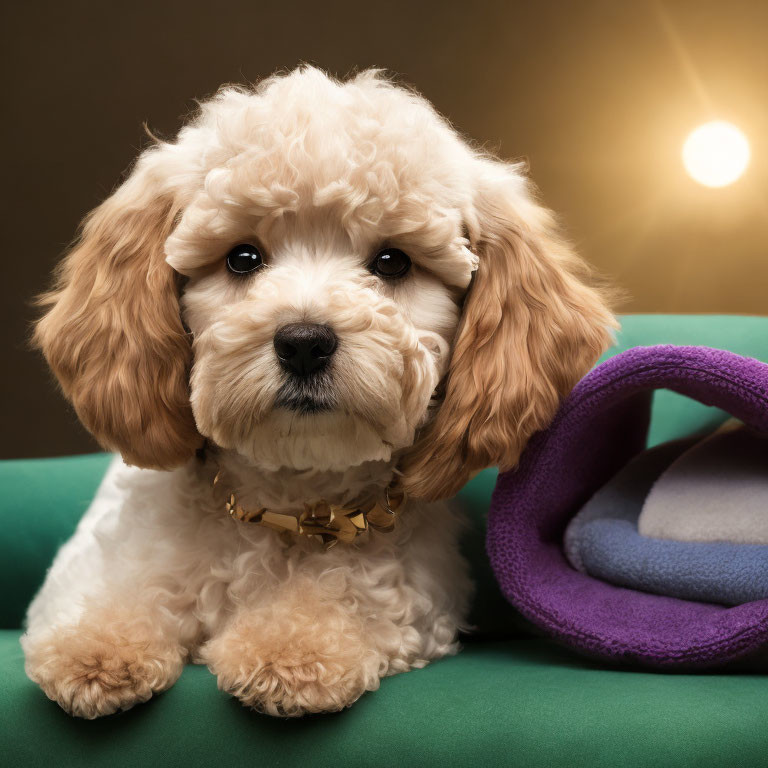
{"points": [[118, 653], [344, 620], [304, 651], [108, 629]]}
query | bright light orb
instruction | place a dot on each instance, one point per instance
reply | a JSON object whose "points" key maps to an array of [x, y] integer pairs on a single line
{"points": [[716, 154]]}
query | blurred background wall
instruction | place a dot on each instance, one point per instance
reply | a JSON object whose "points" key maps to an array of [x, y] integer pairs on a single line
{"points": [[598, 96]]}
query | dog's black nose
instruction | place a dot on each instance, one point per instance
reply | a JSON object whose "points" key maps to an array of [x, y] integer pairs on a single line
{"points": [[303, 348]]}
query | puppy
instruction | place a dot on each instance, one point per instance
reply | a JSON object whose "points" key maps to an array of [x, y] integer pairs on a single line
{"points": [[322, 296]]}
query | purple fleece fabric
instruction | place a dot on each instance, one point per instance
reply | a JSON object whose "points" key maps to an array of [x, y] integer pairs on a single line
{"points": [[599, 428]]}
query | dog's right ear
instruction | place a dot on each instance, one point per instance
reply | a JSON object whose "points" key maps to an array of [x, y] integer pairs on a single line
{"points": [[112, 332]]}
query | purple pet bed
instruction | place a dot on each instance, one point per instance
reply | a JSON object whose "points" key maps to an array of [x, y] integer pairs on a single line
{"points": [[599, 428]]}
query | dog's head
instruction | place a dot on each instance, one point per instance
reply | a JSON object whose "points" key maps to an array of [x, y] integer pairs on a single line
{"points": [[292, 278]]}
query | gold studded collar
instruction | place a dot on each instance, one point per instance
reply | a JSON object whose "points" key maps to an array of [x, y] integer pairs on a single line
{"points": [[328, 523]]}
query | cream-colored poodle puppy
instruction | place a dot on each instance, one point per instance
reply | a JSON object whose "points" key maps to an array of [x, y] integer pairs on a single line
{"points": [[283, 297]]}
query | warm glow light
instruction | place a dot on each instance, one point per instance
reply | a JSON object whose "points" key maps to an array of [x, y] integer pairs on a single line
{"points": [[716, 154]]}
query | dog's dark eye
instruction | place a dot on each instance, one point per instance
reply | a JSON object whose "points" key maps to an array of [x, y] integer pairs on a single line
{"points": [[391, 262], [243, 259]]}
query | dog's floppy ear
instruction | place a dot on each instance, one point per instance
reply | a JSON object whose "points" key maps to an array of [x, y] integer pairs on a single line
{"points": [[530, 329], [112, 332]]}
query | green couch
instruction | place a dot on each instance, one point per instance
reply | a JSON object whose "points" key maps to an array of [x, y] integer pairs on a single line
{"points": [[509, 698]]}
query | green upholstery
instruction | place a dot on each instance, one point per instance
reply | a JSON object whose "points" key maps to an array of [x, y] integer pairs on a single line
{"points": [[507, 699], [41, 501], [519, 702]]}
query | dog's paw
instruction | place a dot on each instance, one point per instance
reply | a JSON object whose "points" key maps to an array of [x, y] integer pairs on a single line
{"points": [[311, 660], [92, 670]]}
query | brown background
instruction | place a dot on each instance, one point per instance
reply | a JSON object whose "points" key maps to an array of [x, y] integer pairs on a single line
{"points": [[598, 95]]}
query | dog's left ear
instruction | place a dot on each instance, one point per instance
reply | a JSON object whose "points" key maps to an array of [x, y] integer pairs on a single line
{"points": [[531, 327]]}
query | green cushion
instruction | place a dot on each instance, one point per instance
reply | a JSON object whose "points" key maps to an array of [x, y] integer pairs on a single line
{"points": [[519, 701], [522, 702], [41, 501]]}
